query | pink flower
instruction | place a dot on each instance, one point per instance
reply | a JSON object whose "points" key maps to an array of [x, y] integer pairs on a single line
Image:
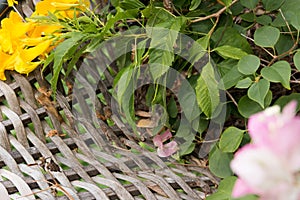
{"points": [[165, 150], [271, 128], [270, 165]]}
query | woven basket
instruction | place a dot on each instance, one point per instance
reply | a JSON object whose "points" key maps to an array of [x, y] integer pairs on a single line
{"points": [[83, 163]]}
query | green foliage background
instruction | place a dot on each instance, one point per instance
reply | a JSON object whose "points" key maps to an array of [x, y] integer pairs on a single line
{"points": [[252, 43]]}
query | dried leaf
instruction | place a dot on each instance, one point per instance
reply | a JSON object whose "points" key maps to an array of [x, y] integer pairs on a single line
{"points": [[70, 87], [158, 190], [145, 123], [45, 91], [52, 133], [43, 99], [142, 113], [100, 116]]}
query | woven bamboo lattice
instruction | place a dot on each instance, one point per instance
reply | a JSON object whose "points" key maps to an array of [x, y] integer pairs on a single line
{"points": [[82, 161]]}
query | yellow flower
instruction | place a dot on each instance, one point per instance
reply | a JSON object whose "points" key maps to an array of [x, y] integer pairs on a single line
{"points": [[6, 43], [3, 60], [41, 33], [41, 30], [13, 28], [22, 59], [61, 8], [11, 2]]}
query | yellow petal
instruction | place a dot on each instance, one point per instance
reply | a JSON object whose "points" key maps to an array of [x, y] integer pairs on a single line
{"points": [[33, 41], [58, 6], [11, 2], [15, 25], [43, 7], [6, 42], [12, 60], [63, 6], [3, 61], [44, 30], [29, 54], [22, 66], [21, 60], [2, 75], [26, 68]]}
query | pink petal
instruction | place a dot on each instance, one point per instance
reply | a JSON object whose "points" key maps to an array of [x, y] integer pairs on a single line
{"points": [[259, 168], [270, 127], [259, 125], [158, 140], [288, 135], [284, 191], [241, 189], [166, 135], [289, 110], [168, 149]]}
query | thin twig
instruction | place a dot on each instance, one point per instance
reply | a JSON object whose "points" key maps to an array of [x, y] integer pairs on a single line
{"points": [[54, 185], [268, 52], [217, 14], [294, 81], [285, 53], [288, 26], [232, 99]]}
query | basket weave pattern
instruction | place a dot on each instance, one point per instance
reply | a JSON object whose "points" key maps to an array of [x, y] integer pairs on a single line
{"points": [[81, 163]]}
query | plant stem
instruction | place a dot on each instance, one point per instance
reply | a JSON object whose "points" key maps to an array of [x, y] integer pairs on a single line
{"points": [[217, 14]]}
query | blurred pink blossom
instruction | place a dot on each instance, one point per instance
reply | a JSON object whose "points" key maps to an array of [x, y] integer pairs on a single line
{"points": [[270, 165], [165, 150]]}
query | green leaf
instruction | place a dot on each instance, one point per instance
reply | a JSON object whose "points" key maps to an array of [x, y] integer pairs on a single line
{"points": [[295, 19], [266, 36], [283, 100], [74, 60], [271, 5], [290, 10], [244, 83], [284, 44], [227, 2], [230, 52], [188, 101], [186, 136], [194, 4], [264, 20], [251, 4], [162, 44], [187, 148], [204, 41], [231, 36], [248, 17], [296, 59], [48, 60], [225, 191], [207, 90], [232, 77], [124, 94], [247, 107], [64, 50], [226, 66], [219, 163], [172, 108], [279, 21], [121, 15], [131, 4], [248, 64], [279, 72], [231, 139], [258, 91], [197, 51]]}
